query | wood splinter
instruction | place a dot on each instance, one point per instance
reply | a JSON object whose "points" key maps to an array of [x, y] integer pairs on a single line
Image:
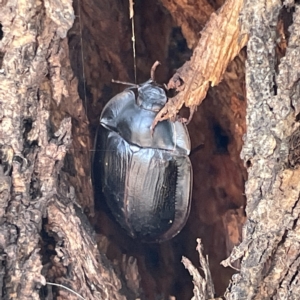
{"points": [[221, 40]]}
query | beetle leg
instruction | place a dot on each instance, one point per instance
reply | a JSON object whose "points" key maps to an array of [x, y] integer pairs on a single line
{"points": [[192, 111]]}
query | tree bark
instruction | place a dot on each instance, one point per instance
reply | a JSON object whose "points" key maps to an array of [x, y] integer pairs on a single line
{"points": [[49, 55], [270, 246], [38, 95]]}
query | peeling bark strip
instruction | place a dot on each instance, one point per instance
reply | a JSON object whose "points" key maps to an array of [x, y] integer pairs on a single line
{"points": [[89, 273], [36, 86], [220, 42], [203, 286], [271, 241]]}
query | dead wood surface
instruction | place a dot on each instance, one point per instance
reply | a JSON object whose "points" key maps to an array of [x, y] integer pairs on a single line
{"points": [[43, 117], [203, 285], [39, 105], [46, 237], [270, 247], [220, 42], [78, 263]]}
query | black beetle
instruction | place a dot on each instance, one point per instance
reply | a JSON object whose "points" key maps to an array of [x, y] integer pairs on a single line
{"points": [[145, 176]]}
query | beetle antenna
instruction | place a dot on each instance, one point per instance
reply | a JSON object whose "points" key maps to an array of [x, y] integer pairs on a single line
{"points": [[153, 68], [125, 83]]}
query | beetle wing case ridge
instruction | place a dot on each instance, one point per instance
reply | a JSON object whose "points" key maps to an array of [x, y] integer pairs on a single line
{"points": [[183, 192]]}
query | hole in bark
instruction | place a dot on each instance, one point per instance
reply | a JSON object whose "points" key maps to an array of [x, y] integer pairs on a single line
{"points": [[27, 124], [5, 161], [217, 167], [34, 189], [221, 139], [178, 49], [1, 53], [1, 32], [275, 88], [48, 253], [69, 165], [1, 58], [248, 163]]}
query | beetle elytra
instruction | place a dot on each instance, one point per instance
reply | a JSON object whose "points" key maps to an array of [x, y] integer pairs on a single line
{"points": [[145, 176]]}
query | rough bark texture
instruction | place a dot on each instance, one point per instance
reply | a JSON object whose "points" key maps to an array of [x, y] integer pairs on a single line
{"points": [[270, 247], [220, 42], [38, 96], [47, 204], [46, 147]]}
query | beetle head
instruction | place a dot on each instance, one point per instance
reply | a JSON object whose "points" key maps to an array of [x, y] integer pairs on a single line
{"points": [[151, 96]]}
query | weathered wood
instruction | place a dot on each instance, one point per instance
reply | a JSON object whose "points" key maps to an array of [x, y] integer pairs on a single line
{"points": [[203, 286], [38, 95], [270, 247], [44, 95], [44, 234], [220, 42]]}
